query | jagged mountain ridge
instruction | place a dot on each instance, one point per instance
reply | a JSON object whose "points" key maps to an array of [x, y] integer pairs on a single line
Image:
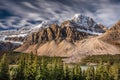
{"points": [[57, 33], [20, 34], [82, 23], [43, 33], [69, 32], [53, 33]]}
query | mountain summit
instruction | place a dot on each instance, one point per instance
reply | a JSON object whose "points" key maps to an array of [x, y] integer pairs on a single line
{"points": [[74, 39], [84, 21], [84, 24], [62, 37]]}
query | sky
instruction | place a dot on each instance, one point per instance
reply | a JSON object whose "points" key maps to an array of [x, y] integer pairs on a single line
{"points": [[21, 13]]}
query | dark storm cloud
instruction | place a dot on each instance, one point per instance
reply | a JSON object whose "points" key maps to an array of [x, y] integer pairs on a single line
{"points": [[4, 14], [115, 1], [104, 11]]}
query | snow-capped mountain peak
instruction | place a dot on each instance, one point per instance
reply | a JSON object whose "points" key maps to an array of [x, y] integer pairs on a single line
{"points": [[43, 24], [85, 23], [76, 16]]}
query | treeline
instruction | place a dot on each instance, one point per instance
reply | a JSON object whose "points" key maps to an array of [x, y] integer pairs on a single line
{"points": [[32, 68], [14, 57], [103, 58]]}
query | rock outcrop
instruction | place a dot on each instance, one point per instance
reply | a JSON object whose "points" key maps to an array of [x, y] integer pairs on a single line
{"points": [[112, 35], [7, 46]]}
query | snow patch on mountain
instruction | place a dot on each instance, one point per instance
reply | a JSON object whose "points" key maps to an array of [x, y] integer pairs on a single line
{"points": [[2, 39], [14, 42], [23, 32], [20, 35], [89, 32], [44, 24]]}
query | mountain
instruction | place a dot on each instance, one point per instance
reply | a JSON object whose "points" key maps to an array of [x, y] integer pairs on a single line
{"points": [[15, 38], [20, 34], [112, 35], [42, 25], [74, 38], [85, 24], [63, 41], [107, 43], [81, 23], [57, 40], [91, 46], [53, 33], [103, 27], [8, 46]]}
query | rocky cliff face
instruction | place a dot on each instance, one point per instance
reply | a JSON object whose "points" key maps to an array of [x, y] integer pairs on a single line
{"points": [[112, 35], [62, 40], [57, 33], [116, 26]]}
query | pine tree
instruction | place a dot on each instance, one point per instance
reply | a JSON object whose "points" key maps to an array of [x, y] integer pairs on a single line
{"points": [[103, 72], [20, 68], [34, 66], [4, 68], [90, 73], [60, 70], [115, 71], [38, 74], [107, 74], [13, 73], [29, 69], [66, 72], [79, 72], [43, 69], [75, 73], [99, 71], [84, 75]]}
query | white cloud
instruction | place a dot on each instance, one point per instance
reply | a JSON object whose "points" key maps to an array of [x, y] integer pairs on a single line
{"points": [[103, 11], [29, 5], [108, 13]]}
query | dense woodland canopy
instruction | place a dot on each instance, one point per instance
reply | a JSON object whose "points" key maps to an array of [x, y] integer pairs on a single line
{"points": [[31, 67]]}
